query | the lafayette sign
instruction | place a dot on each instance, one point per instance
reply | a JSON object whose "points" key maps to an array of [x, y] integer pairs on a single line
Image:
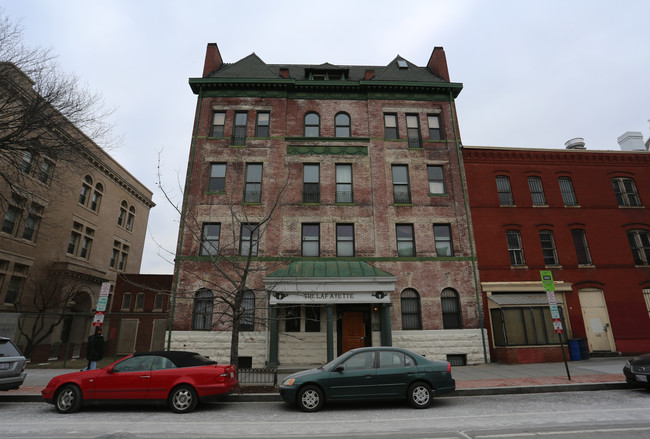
{"points": [[330, 297]]}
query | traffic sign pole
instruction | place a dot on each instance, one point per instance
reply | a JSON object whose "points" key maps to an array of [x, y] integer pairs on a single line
{"points": [[549, 287]]}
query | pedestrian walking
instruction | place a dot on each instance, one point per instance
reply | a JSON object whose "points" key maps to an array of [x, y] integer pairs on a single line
{"points": [[94, 349]]}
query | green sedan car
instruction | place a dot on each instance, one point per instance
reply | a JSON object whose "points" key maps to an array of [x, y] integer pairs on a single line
{"points": [[370, 373]]}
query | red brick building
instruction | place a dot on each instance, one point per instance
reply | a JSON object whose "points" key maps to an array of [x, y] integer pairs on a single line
{"points": [[580, 214], [369, 241], [139, 313]]}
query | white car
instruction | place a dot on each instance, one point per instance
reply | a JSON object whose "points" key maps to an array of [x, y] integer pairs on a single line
{"points": [[12, 365]]}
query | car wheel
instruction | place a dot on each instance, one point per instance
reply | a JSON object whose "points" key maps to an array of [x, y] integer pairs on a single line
{"points": [[183, 399], [420, 395], [310, 399], [68, 399]]}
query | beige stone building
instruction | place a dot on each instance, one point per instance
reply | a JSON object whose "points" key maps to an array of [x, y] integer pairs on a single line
{"points": [[70, 223]]}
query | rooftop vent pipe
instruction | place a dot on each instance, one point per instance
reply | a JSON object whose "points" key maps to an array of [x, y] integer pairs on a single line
{"points": [[575, 143]]}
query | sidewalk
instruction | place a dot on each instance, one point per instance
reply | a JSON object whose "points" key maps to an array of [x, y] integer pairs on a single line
{"points": [[482, 379]]}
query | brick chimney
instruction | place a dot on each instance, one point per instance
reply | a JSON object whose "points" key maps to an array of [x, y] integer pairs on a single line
{"points": [[212, 59], [369, 75], [284, 72], [438, 63]]}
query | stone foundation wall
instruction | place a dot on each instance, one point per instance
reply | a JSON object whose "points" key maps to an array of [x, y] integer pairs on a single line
{"points": [[436, 345], [310, 348]]}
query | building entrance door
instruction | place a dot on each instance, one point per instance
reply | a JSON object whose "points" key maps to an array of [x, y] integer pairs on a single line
{"points": [[354, 331], [597, 326]]}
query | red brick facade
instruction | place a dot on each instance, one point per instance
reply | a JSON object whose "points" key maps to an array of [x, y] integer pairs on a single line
{"points": [[608, 274]]}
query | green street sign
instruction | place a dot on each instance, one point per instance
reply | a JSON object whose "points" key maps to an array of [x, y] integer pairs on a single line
{"points": [[547, 280]]}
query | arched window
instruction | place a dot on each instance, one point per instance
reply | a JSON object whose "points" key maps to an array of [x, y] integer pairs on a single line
{"points": [[86, 187], [411, 315], [97, 197], [342, 125], [451, 314], [202, 312], [312, 125], [130, 217], [247, 321], [121, 219]]}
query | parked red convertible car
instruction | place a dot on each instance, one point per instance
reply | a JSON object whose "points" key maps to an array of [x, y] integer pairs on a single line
{"points": [[178, 379]]}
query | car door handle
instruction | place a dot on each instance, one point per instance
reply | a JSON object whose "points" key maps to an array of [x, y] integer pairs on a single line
{"points": [[145, 377]]}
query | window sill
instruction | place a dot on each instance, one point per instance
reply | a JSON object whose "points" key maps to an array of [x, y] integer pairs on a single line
{"points": [[540, 206], [403, 204], [310, 204], [572, 206], [215, 193], [343, 204], [507, 205], [631, 207], [439, 195], [586, 266], [519, 267]]}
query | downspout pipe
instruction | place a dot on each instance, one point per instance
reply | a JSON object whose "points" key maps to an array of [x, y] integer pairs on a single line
{"points": [[183, 216], [461, 168]]}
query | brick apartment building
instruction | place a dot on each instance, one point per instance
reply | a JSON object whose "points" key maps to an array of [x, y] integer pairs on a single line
{"points": [[368, 242], [139, 313], [69, 225], [580, 214]]}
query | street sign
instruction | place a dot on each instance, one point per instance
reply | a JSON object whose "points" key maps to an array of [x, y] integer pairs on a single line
{"points": [[547, 280], [557, 325], [99, 319], [103, 296]]}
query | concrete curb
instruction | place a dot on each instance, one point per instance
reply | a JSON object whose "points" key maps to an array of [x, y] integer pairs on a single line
{"points": [[508, 390]]}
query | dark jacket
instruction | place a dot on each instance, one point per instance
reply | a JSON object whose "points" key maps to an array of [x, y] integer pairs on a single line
{"points": [[95, 348]]}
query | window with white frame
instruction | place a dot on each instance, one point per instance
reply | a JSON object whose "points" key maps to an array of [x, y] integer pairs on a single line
{"points": [[405, 240], [436, 179], [217, 180], [548, 247], [536, 191], [311, 240], [344, 192], [248, 241], [253, 188], [411, 313], [504, 190], [625, 191], [568, 194], [442, 239], [345, 240], [515, 249], [640, 245], [210, 235]]}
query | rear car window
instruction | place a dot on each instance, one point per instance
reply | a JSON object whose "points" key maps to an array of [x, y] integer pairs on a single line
{"points": [[7, 349]]}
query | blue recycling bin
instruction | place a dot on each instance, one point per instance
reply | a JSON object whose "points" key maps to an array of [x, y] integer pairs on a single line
{"points": [[584, 351], [574, 350]]}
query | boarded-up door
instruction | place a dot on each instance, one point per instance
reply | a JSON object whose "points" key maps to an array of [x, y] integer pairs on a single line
{"points": [[354, 331], [597, 325], [126, 339], [158, 336]]}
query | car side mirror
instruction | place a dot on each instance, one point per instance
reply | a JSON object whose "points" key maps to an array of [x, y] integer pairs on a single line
{"points": [[339, 368], [109, 369]]}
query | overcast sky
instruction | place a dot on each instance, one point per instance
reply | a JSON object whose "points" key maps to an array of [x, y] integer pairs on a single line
{"points": [[535, 73]]}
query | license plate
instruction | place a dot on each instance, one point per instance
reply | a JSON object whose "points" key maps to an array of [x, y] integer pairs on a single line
{"points": [[4, 366], [642, 378]]}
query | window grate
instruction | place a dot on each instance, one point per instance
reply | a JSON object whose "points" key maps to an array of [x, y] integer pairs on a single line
{"points": [[457, 359]]}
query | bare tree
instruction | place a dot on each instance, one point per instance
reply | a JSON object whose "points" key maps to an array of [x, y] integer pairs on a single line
{"points": [[237, 262], [45, 308], [46, 116]]}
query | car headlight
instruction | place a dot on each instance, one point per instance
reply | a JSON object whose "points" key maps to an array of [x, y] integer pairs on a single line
{"points": [[288, 381]]}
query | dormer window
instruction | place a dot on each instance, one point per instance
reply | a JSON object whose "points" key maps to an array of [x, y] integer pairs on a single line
{"points": [[326, 75], [402, 64]]}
